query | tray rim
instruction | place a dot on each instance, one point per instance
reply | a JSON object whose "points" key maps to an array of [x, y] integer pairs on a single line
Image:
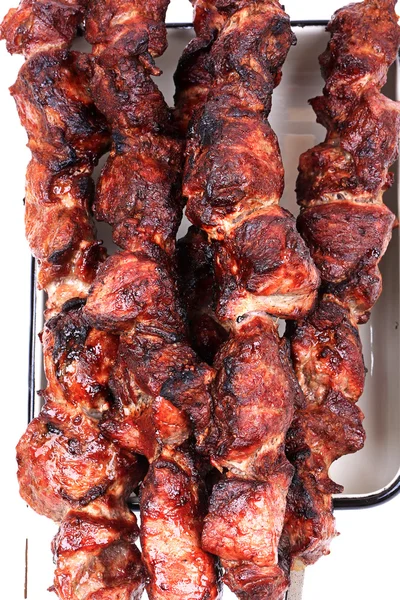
{"points": [[350, 501]]}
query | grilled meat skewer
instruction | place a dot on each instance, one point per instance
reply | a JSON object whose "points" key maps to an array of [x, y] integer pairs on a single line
{"points": [[161, 389], [263, 269], [347, 228], [68, 471]]}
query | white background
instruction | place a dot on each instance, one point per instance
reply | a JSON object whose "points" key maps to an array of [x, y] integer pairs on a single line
{"points": [[364, 562]]}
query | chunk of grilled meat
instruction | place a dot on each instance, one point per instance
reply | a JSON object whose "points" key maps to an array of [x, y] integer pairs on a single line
{"points": [[233, 181], [96, 552], [245, 578], [254, 391], [38, 26], [347, 228], [171, 530], [63, 459], [161, 388], [231, 147], [249, 580], [68, 470], [66, 137], [109, 20]]}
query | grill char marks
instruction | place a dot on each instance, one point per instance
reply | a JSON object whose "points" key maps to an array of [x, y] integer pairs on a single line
{"points": [[233, 181], [347, 228], [162, 403]]}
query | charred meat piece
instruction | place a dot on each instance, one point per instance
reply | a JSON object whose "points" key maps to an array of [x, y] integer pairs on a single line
{"points": [[67, 135], [173, 504], [40, 25]]}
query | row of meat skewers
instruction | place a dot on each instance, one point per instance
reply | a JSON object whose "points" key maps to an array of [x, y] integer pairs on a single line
{"points": [[164, 364]]}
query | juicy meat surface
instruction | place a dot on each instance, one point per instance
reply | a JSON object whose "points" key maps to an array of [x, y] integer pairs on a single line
{"points": [[109, 19], [243, 522], [346, 238], [57, 470], [328, 362], [64, 461], [41, 25], [96, 553], [327, 354], [70, 472], [194, 73], [253, 391], [67, 135], [274, 265], [171, 531]]}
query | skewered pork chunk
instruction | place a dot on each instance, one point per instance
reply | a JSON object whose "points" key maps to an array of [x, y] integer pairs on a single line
{"points": [[66, 137], [38, 26]]}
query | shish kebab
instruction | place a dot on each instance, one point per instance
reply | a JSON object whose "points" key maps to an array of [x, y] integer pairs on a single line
{"points": [[199, 287], [347, 228], [162, 404], [326, 346], [233, 181], [68, 471]]}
